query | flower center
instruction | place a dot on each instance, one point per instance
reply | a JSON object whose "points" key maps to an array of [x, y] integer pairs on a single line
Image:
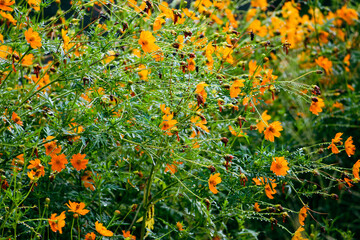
{"points": [[145, 42], [272, 129]]}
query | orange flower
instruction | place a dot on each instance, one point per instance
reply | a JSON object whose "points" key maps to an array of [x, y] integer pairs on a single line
{"points": [[5, 5], [147, 42], [302, 215], [269, 189], [102, 230], [259, 3], [273, 130], [88, 180], [257, 207], [316, 106], [235, 88], [349, 147], [58, 162], [37, 164], [172, 168], [90, 236], [16, 119], [78, 161], [127, 235], [33, 38], [51, 147], [348, 181], [348, 14], [334, 142], [168, 123], [256, 27], [77, 207], [200, 89], [35, 4], [57, 222], [165, 110], [237, 134], [143, 72], [19, 161], [261, 125], [8, 17], [191, 64], [27, 60], [325, 63], [159, 21], [179, 226], [355, 169], [297, 234], [279, 166], [213, 181], [200, 123], [254, 69]]}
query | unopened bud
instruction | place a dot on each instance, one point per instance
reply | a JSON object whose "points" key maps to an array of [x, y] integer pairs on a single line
{"points": [[212, 169]]}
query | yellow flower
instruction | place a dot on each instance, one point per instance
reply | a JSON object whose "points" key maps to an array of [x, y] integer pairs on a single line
{"points": [[235, 88], [256, 27], [102, 230], [8, 17], [302, 215], [334, 142], [143, 72], [35, 4], [297, 234], [273, 130], [200, 89], [355, 169], [279, 166], [261, 125], [316, 105], [57, 222], [77, 207], [348, 14], [33, 38], [270, 186], [257, 207], [259, 3], [5, 5], [179, 226], [147, 42], [168, 123], [159, 21], [325, 63], [213, 181], [349, 147]]}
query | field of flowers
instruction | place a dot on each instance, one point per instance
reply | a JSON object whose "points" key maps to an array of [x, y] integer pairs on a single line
{"points": [[206, 119]]}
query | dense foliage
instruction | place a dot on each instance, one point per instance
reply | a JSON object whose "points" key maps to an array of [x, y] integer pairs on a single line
{"points": [[181, 120]]}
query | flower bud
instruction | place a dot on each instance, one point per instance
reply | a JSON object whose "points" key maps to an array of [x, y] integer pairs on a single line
{"points": [[224, 140], [212, 169], [133, 207]]}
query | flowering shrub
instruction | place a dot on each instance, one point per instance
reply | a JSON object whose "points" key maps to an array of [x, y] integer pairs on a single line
{"points": [[202, 120]]}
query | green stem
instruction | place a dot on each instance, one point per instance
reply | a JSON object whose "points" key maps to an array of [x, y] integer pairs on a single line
{"points": [[145, 201]]}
